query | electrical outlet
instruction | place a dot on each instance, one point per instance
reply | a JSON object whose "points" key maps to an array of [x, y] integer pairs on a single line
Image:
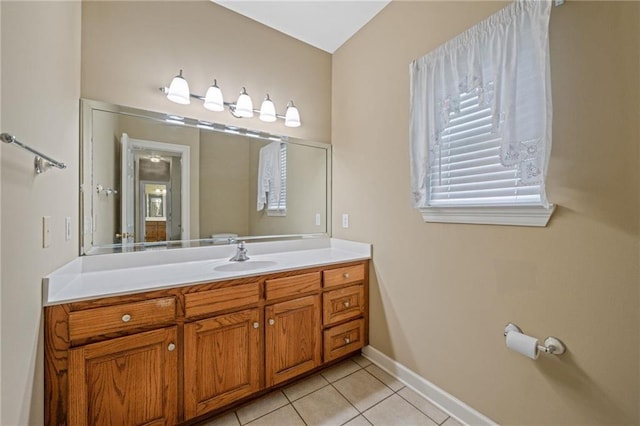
{"points": [[46, 231], [345, 220], [318, 219]]}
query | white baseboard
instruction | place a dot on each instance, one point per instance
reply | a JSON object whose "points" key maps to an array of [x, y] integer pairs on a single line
{"points": [[447, 402]]}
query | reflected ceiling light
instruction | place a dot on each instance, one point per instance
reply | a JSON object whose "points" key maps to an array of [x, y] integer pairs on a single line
{"points": [[213, 100], [178, 91], [154, 159]]}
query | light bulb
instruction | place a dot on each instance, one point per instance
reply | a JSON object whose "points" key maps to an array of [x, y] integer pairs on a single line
{"points": [[213, 100], [244, 105], [292, 116], [268, 110], [179, 90]]}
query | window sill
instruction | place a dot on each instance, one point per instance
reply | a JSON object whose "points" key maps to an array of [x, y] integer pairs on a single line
{"points": [[495, 215]]}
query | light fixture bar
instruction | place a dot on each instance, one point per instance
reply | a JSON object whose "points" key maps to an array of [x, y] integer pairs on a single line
{"points": [[291, 117], [230, 105]]}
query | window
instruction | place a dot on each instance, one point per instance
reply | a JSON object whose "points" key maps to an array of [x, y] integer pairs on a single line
{"points": [[481, 122], [277, 207]]}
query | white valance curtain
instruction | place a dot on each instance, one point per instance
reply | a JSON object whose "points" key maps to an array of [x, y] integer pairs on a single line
{"points": [[504, 62]]}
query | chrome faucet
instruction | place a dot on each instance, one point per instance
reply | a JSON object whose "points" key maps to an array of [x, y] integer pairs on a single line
{"points": [[241, 255]]}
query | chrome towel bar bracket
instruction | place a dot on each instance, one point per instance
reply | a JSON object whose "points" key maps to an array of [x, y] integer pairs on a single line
{"points": [[42, 162]]}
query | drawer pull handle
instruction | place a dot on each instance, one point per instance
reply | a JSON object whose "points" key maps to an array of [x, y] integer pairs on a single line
{"points": [[256, 324], [171, 347], [346, 275], [272, 321], [346, 304], [126, 318], [347, 340]]}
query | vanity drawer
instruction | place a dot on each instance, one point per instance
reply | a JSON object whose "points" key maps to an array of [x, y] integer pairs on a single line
{"points": [[342, 304], [220, 299], [118, 318], [292, 286], [343, 339], [346, 275]]}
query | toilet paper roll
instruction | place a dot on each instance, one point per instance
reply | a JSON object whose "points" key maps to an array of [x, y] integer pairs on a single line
{"points": [[522, 343]]}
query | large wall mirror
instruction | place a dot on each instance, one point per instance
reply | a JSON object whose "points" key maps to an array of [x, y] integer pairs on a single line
{"points": [[153, 180]]}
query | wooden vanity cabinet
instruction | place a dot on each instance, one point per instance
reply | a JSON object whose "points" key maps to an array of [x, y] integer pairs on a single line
{"points": [[130, 380], [344, 306], [221, 360], [169, 356], [222, 353], [293, 335]]}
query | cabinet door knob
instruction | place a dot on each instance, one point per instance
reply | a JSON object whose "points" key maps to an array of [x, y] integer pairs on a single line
{"points": [[346, 304], [256, 324], [171, 347], [347, 340], [271, 321], [126, 318], [346, 275]]}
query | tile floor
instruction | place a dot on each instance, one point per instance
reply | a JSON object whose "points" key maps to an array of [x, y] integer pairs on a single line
{"points": [[352, 393]]}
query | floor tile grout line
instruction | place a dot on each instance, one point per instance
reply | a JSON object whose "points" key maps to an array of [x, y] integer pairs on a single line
{"points": [[259, 417], [291, 401], [340, 378], [298, 413], [377, 403], [414, 406], [347, 399]]}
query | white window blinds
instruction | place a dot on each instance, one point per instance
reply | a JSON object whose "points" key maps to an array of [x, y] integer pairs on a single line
{"points": [[467, 170], [277, 206], [480, 133]]}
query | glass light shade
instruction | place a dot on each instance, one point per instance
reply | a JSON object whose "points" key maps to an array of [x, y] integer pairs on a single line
{"points": [[292, 116], [268, 110], [179, 90], [213, 100], [244, 105]]}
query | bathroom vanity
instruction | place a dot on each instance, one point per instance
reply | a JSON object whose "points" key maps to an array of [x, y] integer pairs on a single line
{"points": [[172, 336]]}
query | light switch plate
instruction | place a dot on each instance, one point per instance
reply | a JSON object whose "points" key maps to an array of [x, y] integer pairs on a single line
{"points": [[46, 231], [67, 228], [345, 220], [318, 219]]}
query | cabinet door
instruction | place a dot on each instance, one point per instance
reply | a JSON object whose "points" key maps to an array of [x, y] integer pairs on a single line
{"points": [[125, 381], [293, 334], [222, 360]]}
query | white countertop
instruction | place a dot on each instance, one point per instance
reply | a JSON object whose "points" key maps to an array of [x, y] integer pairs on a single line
{"points": [[91, 277]]}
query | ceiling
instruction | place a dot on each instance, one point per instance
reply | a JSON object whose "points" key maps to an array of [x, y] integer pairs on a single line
{"points": [[325, 24]]}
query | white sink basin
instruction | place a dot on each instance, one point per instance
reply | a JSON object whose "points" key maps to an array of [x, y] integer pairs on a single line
{"points": [[247, 265]]}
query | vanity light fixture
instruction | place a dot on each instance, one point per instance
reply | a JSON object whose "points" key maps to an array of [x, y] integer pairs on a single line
{"points": [[178, 91], [213, 100], [244, 105], [292, 117], [268, 110]]}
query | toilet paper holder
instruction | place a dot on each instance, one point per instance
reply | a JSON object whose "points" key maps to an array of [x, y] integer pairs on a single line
{"points": [[552, 345]]}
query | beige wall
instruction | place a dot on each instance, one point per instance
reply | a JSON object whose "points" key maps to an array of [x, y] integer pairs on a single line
{"points": [[40, 82], [224, 184], [442, 293], [130, 49], [306, 193]]}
